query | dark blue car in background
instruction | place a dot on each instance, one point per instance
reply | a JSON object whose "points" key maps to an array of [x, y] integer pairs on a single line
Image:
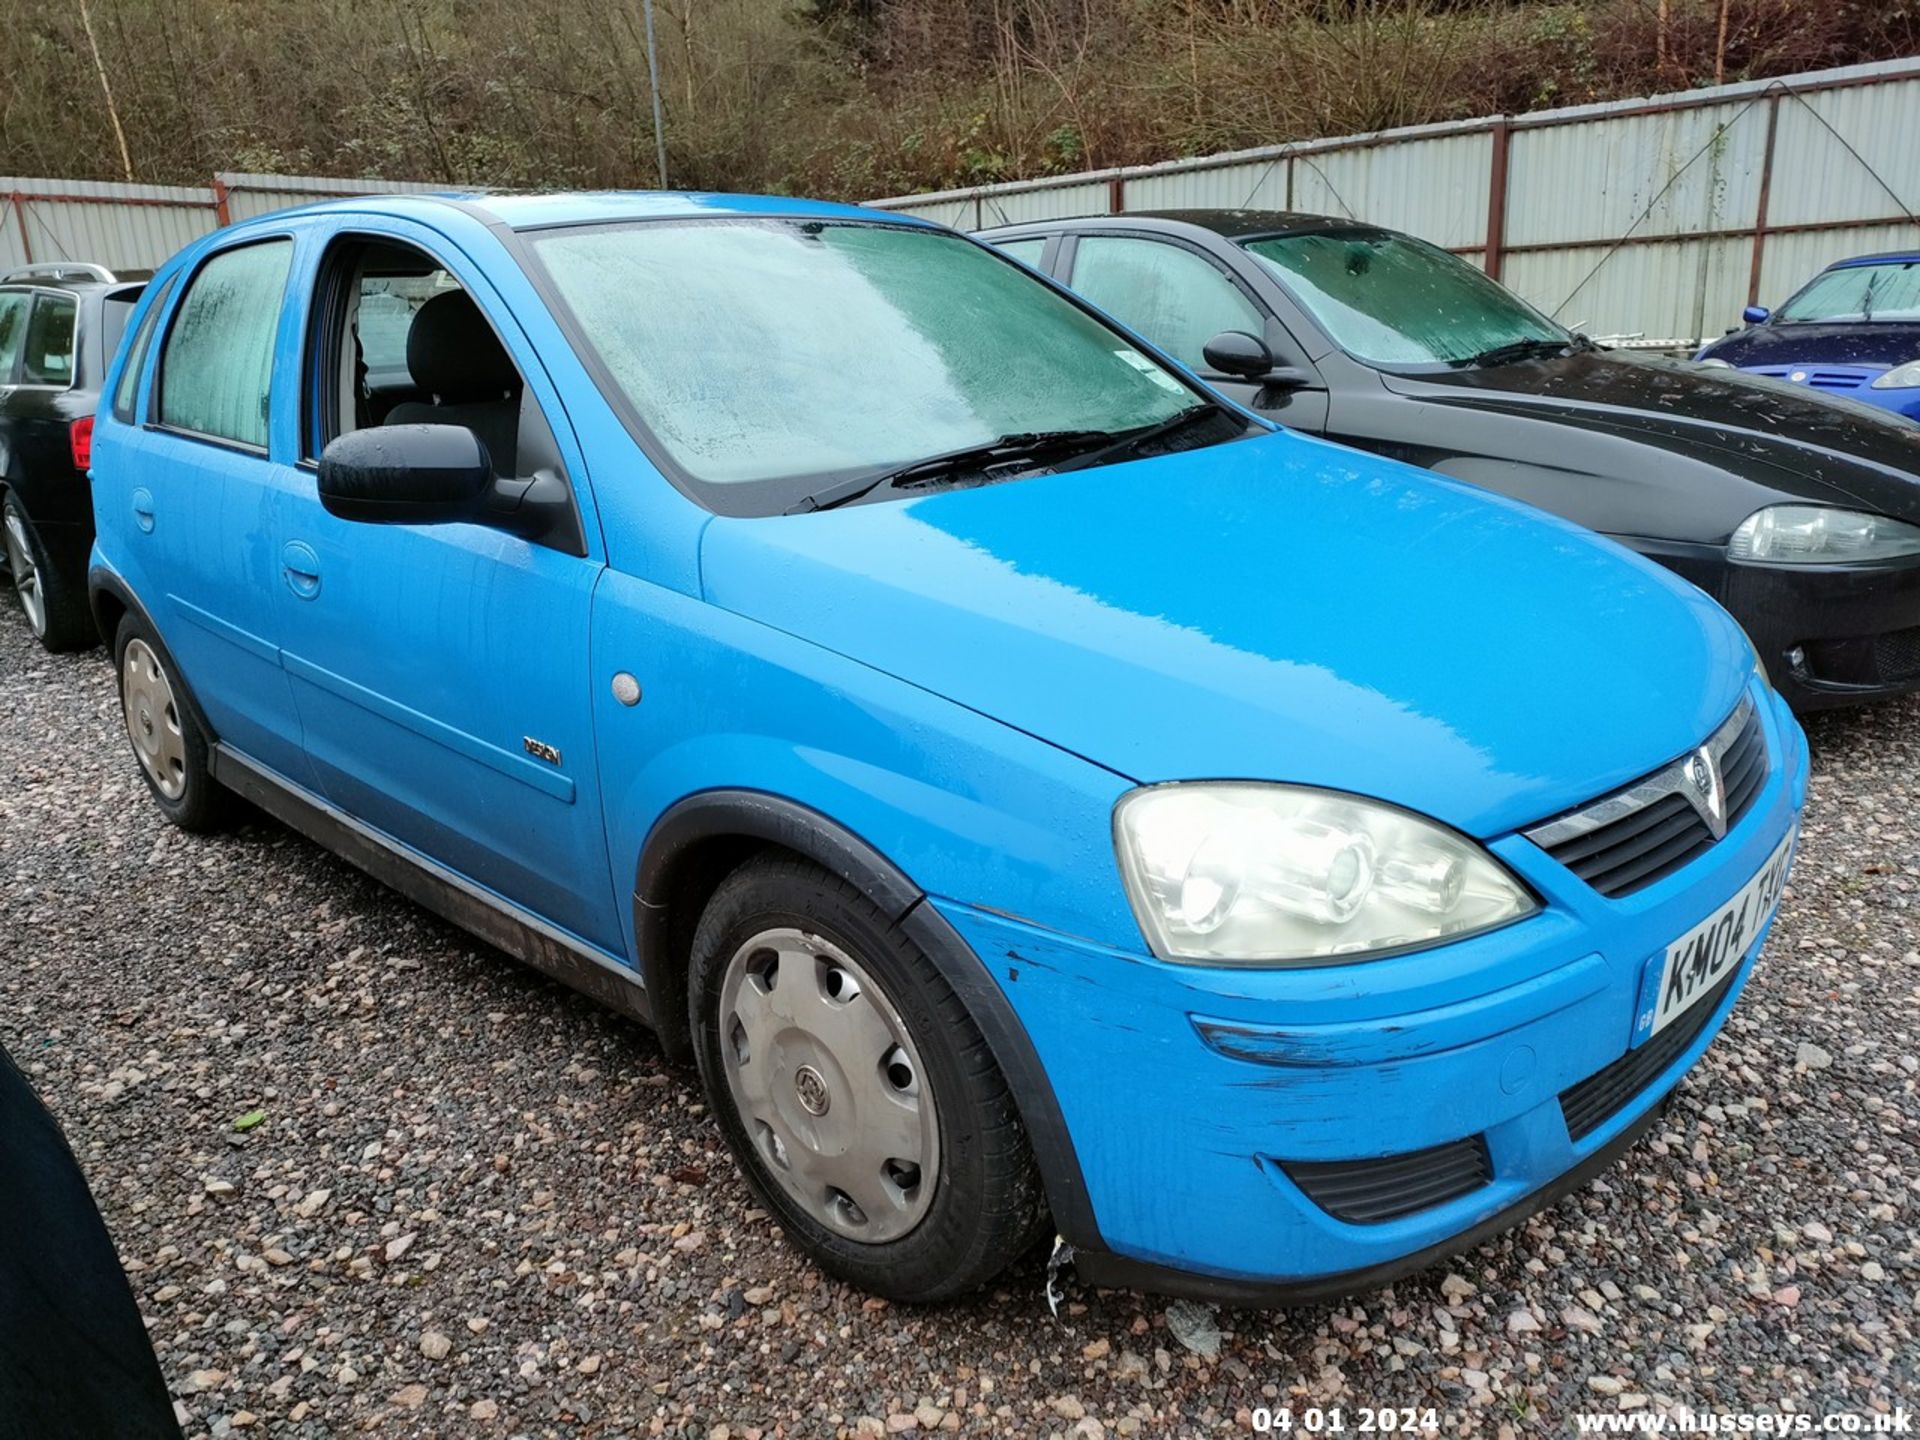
{"points": [[1853, 330]]}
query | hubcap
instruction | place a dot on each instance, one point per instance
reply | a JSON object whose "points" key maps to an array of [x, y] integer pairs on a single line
{"points": [[26, 576], [829, 1085], [153, 719]]}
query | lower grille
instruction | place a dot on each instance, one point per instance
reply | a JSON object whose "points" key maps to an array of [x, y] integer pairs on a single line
{"points": [[1368, 1192], [1598, 1098], [1627, 842], [1896, 654]]}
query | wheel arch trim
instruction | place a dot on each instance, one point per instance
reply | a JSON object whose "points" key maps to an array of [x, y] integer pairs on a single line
{"points": [[101, 583], [773, 820]]}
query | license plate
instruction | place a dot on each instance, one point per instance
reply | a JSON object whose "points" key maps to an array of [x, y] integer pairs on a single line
{"points": [[1708, 953]]}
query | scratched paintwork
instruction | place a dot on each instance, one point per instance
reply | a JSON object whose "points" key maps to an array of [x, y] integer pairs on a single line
{"points": [[1358, 1061]]}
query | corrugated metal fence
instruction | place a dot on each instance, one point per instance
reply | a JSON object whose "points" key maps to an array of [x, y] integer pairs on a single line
{"points": [[135, 227], [1657, 219]]}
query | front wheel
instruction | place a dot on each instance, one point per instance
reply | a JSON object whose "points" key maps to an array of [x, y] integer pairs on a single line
{"points": [[857, 1094]]}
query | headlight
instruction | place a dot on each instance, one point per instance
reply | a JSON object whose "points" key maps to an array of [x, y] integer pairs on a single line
{"points": [[1252, 874], [1714, 363], [1901, 377], [1818, 535]]}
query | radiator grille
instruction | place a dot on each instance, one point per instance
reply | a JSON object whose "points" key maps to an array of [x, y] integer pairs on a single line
{"points": [[1646, 832]]}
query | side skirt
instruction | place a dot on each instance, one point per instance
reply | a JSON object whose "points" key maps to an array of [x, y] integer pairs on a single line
{"points": [[506, 926]]}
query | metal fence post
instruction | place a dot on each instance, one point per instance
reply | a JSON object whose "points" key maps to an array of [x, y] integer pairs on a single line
{"points": [[1760, 213], [221, 212], [20, 217], [1494, 255]]}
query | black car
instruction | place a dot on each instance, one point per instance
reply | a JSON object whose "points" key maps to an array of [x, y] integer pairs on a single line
{"points": [[1799, 513], [1853, 330], [74, 1355], [59, 327]]}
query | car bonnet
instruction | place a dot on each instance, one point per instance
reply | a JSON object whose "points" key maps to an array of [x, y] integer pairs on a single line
{"points": [[1814, 447], [1859, 343], [1275, 608]]}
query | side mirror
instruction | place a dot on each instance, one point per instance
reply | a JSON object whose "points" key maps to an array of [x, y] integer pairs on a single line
{"points": [[1755, 314], [1235, 352], [406, 475]]}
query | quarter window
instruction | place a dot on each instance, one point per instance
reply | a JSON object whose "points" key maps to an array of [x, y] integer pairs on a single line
{"points": [[13, 332], [1177, 299], [1028, 251], [49, 353], [216, 372], [129, 386]]}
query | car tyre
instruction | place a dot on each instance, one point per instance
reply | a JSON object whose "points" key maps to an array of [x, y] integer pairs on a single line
{"points": [[168, 743], [58, 617], [811, 1011]]}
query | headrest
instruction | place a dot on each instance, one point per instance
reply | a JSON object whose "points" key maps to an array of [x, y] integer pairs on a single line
{"points": [[453, 353]]}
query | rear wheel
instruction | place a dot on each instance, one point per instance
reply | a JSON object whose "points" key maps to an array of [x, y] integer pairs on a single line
{"points": [[57, 616], [858, 1095], [167, 742]]}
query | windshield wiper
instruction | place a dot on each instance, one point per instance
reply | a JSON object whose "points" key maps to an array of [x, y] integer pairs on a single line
{"points": [[1022, 445], [1518, 350], [1132, 440]]}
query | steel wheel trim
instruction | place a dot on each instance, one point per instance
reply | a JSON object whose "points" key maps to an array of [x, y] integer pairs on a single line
{"points": [[26, 575], [153, 719], [829, 1085]]}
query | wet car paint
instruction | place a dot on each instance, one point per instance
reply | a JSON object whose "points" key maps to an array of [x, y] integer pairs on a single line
{"points": [[1666, 456], [967, 682]]}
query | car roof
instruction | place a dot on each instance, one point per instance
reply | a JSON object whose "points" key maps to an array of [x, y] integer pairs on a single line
{"points": [[527, 212], [1230, 224], [1890, 257]]}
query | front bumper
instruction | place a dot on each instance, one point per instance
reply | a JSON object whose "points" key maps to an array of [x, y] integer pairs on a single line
{"points": [[1197, 1098], [1830, 635]]}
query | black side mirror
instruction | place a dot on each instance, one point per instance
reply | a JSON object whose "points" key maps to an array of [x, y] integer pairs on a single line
{"points": [[406, 475], [1235, 352]]}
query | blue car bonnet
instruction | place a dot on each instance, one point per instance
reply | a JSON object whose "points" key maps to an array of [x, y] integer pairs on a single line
{"points": [[1276, 608]]}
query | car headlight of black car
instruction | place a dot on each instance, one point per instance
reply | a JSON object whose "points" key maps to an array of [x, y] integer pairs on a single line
{"points": [[1821, 535], [1245, 873]]}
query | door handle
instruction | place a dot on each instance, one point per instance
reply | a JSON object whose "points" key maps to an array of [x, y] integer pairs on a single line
{"points": [[142, 501], [302, 569]]}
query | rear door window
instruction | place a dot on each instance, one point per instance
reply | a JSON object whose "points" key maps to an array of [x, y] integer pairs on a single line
{"points": [[48, 359], [216, 372], [384, 318], [1177, 299]]}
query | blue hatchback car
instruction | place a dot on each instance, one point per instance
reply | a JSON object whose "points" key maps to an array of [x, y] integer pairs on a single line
{"points": [[1041, 797], [1853, 330]]}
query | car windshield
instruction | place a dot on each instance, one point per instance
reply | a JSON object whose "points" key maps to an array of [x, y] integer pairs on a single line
{"points": [[770, 358], [1392, 300], [1858, 292]]}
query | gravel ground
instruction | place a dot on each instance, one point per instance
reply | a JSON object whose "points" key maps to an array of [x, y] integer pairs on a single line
{"points": [[473, 1204]]}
